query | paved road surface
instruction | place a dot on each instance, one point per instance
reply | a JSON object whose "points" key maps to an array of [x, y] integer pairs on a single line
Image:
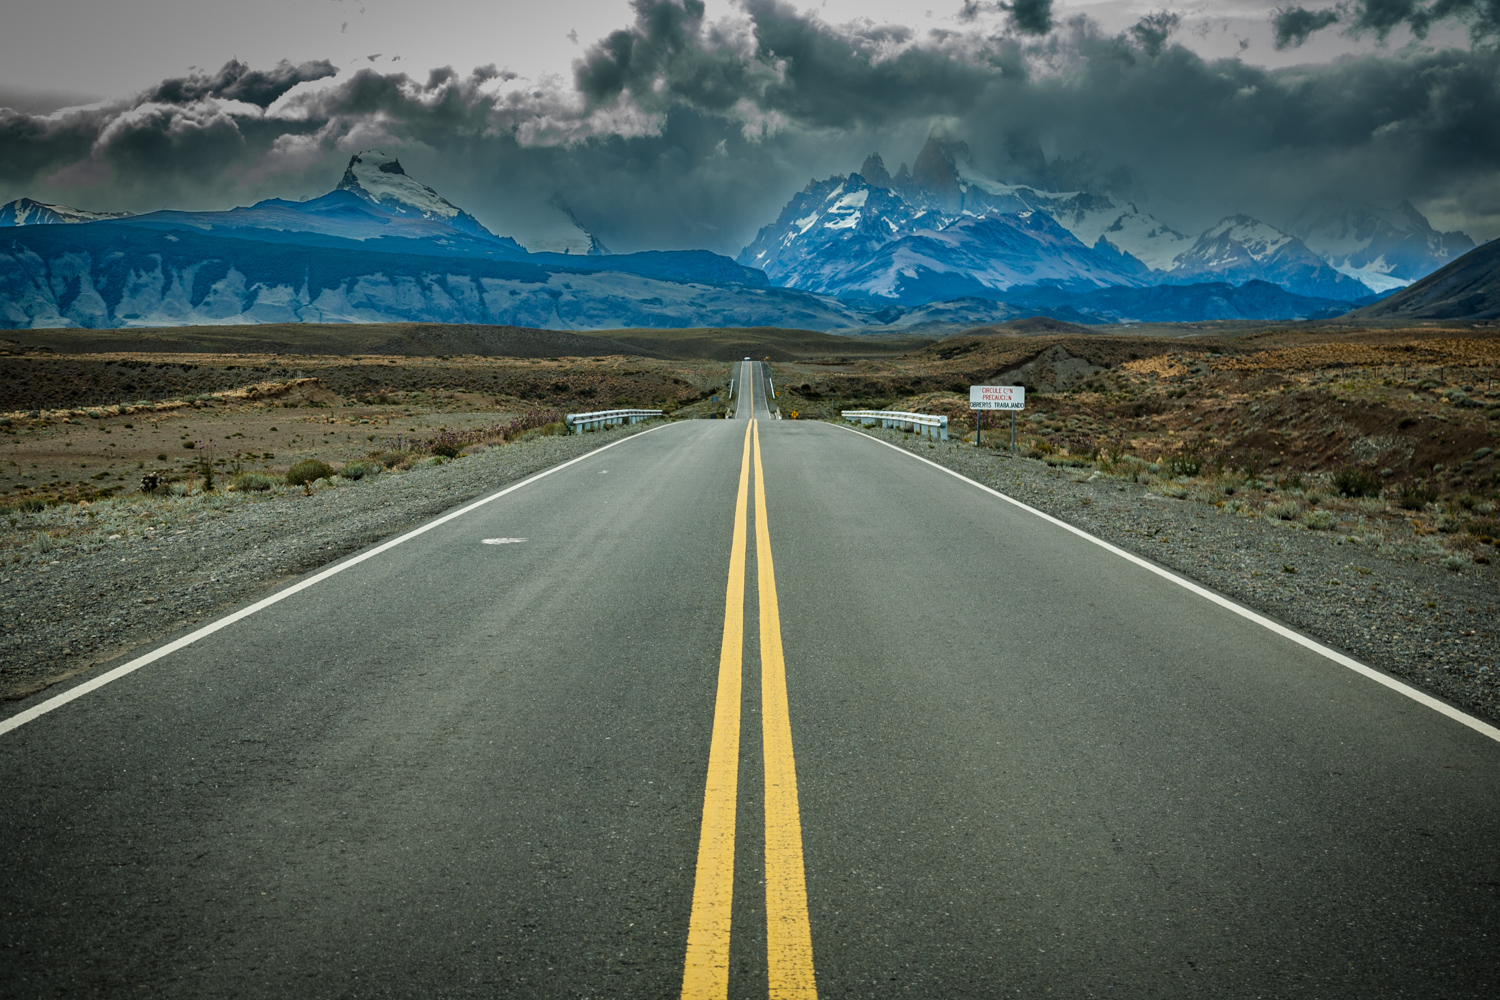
{"points": [[1007, 763]]}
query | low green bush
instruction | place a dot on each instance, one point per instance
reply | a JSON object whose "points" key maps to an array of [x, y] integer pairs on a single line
{"points": [[359, 470], [389, 459], [251, 482], [1415, 496], [1182, 465], [1357, 482], [1285, 510], [308, 471], [1319, 520]]}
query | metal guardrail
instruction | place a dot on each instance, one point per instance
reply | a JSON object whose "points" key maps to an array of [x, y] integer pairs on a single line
{"points": [[925, 423], [580, 422]]}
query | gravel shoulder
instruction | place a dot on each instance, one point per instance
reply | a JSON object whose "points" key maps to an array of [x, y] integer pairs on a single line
{"points": [[1395, 607], [94, 582]]}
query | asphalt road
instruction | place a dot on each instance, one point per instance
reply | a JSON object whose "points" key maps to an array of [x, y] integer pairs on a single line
{"points": [[1023, 767]]}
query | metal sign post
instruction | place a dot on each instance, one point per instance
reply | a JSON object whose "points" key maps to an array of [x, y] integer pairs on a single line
{"points": [[996, 397]]}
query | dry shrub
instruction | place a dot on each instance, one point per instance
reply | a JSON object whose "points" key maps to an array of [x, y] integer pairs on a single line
{"points": [[251, 482], [1357, 482], [308, 471], [1284, 510]]}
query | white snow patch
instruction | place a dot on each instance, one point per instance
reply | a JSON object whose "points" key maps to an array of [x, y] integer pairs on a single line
{"points": [[1259, 239], [379, 178], [1375, 280]]}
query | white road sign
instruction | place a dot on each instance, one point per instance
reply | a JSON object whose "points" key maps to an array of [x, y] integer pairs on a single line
{"points": [[997, 397]]}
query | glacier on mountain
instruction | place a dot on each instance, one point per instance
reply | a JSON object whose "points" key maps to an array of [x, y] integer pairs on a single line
{"points": [[1386, 249], [110, 274]]}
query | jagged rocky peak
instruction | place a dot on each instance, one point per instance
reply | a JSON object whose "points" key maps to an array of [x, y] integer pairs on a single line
{"points": [[1408, 211], [379, 178], [874, 171], [936, 170]]}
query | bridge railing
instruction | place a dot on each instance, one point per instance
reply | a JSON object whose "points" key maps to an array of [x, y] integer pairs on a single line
{"points": [[580, 422], [923, 423]]}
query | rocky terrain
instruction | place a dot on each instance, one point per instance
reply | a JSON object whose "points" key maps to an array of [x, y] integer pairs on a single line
{"points": [[1412, 415]]}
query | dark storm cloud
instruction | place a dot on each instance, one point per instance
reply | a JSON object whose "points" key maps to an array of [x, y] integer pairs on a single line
{"points": [[1029, 17], [678, 132], [1293, 25], [1032, 17], [1153, 30], [1482, 17], [1415, 125], [238, 82], [793, 67]]}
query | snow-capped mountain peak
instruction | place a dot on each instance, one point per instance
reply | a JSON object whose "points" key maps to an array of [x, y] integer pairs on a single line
{"points": [[379, 178], [26, 212], [946, 229], [1383, 248], [1260, 241]]}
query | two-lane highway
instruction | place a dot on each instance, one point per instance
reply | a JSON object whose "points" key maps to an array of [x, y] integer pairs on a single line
{"points": [[747, 708]]}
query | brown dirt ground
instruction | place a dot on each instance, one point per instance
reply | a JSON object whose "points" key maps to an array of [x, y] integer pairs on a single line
{"points": [[84, 426], [1417, 411]]}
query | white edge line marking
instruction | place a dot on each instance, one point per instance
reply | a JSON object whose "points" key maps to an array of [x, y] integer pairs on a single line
{"points": [[1479, 726], [57, 701]]}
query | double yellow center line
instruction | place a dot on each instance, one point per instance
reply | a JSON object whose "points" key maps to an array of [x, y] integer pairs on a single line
{"points": [[789, 955]]}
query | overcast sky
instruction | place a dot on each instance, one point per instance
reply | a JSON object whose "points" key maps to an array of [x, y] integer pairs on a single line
{"points": [[672, 123]]}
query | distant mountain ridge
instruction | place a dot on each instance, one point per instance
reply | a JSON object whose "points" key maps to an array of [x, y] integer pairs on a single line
{"points": [[109, 274], [851, 237], [1467, 289], [871, 234], [1383, 249], [380, 246], [869, 251], [26, 212]]}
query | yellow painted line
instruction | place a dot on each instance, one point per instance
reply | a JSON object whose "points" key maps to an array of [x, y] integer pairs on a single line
{"points": [[705, 976], [789, 955]]}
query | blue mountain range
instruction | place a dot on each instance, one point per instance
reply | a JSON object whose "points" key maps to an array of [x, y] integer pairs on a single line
{"points": [[931, 249]]}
